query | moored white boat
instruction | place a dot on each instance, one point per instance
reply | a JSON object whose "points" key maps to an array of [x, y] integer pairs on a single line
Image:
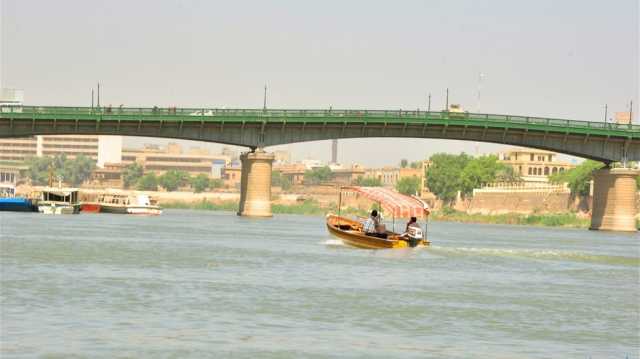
{"points": [[139, 204], [58, 201]]}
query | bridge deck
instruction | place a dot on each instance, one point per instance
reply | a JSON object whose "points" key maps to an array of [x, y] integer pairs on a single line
{"points": [[300, 116]]}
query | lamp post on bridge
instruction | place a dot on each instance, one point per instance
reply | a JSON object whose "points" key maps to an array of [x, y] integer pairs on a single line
{"points": [[264, 99]]}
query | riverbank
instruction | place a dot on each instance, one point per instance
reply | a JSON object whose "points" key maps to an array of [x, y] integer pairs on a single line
{"points": [[313, 208]]}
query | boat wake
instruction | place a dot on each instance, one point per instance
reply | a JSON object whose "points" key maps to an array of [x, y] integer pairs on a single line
{"points": [[333, 242], [536, 254]]}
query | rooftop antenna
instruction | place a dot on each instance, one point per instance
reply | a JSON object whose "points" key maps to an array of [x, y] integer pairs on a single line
{"points": [[605, 112], [429, 105]]}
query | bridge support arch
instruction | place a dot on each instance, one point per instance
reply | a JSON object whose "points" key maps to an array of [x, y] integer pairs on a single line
{"points": [[255, 184], [614, 200]]}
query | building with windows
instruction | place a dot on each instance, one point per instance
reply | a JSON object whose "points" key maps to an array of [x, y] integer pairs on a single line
{"points": [[534, 165], [160, 160]]}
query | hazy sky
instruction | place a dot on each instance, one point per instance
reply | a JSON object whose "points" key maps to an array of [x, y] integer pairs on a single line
{"points": [[553, 58]]}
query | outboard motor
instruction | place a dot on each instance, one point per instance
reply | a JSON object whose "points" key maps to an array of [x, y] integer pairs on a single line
{"points": [[414, 236]]}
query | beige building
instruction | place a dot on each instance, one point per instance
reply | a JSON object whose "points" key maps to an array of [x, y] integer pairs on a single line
{"points": [[19, 149], [159, 160], [347, 176], [534, 165], [389, 176]]}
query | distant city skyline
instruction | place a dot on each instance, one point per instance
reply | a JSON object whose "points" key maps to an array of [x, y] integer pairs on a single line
{"points": [[554, 59]]}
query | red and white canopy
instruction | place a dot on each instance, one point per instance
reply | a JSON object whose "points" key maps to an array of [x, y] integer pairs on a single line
{"points": [[392, 202]]}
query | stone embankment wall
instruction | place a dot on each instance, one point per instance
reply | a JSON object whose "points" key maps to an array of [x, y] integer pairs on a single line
{"points": [[524, 203]]}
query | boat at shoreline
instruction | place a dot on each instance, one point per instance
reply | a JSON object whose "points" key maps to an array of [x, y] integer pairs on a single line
{"points": [[351, 232], [140, 204], [90, 207], [58, 201], [9, 201]]}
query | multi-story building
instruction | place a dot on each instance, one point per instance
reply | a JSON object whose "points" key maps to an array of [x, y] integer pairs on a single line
{"points": [[534, 165], [19, 149], [347, 176], [158, 160]]}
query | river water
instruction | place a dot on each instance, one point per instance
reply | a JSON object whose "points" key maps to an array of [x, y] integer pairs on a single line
{"points": [[211, 284]]}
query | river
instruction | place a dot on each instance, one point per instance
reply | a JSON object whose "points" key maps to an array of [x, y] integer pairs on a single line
{"points": [[211, 284]]}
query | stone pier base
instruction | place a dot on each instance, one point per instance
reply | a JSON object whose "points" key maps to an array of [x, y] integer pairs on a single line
{"points": [[255, 184], [614, 200]]}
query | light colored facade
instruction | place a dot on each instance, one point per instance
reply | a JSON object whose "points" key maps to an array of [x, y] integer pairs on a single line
{"points": [[11, 97], [158, 160], [294, 172], [232, 176], [389, 176], [19, 149], [109, 150], [69, 145], [534, 165], [347, 176]]}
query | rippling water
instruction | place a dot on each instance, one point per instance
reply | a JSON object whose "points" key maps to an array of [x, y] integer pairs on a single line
{"points": [[211, 284]]}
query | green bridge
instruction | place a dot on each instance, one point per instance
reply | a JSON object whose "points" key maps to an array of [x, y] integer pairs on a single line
{"points": [[255, 128]]}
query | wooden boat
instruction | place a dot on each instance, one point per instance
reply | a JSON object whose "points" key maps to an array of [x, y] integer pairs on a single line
{"points": [[351, 231], [140, 204], [59, 201]]}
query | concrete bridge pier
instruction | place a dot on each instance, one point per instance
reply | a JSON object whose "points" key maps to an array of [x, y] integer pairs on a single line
{"points": [[614, 199], [255, 184]]}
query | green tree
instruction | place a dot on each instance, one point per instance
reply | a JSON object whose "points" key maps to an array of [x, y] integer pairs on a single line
{"points": [[278, 180], [73, 172], [318, 175], [78, 170], [444, 174], [404, 163], [173, 179], [416, 164], [507, 174], [216, 183], [578, 179], [480, 171], [38, 170], [368, 181], [409, 185], [148, 182], [200, 183], [131, 174]]}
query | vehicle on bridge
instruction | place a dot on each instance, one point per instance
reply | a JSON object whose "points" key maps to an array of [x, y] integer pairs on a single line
{"points": [[351, 231]]}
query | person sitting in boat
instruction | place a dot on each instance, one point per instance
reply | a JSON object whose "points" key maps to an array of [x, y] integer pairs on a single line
{"points": [[373, 227], [413, 222], [413, 232]]}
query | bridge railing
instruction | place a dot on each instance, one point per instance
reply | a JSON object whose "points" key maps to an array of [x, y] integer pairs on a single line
{"points": [[311, 114]]}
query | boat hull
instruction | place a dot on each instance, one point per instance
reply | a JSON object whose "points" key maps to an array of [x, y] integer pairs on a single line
{"points": [[59, 209], [118, 209], [90, 208], [17, 204], [138, 210], [350, 232], [144, 211]]}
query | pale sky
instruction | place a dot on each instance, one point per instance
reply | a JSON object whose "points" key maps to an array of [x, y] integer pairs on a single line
{"points": [[563, 59]]}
